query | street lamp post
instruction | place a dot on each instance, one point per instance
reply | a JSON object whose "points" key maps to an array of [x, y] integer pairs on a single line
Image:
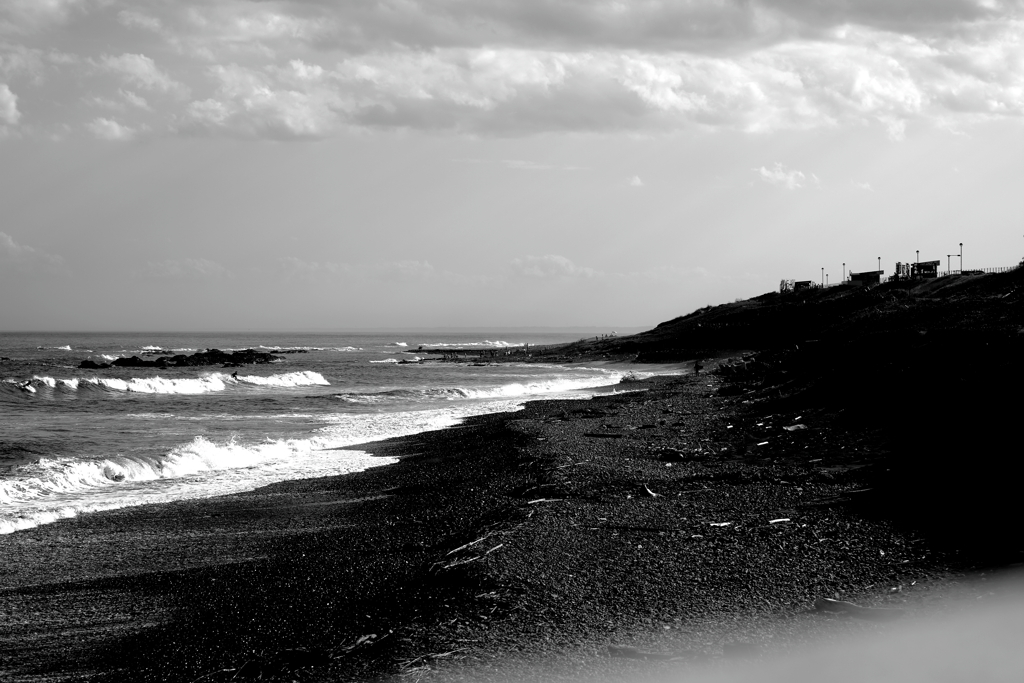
{"points": [[947, 263], [823, 277], [844, 272], [879, 264], [826, 278], [961, 258]]}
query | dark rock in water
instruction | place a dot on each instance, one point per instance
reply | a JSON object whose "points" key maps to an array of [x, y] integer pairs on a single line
{"points": [[211, 357], [92, 365]]}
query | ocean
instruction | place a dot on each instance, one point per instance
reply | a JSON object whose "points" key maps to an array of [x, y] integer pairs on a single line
{"points": [[74, 441]]}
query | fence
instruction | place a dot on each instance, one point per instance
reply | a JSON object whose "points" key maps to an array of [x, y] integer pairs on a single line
{"points": [[788, 285], [977, 271]]}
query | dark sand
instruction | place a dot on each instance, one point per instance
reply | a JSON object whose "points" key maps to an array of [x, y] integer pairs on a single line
{"points": [[550, 540]]}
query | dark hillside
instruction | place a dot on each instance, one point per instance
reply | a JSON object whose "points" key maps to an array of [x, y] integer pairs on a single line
{"points": [[935, 367], [974, 304]]}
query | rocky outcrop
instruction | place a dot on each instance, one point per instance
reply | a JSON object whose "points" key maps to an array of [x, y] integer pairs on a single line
{"points": [[211, 357]]}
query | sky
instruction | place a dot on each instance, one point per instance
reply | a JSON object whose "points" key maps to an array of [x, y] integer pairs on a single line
{"points": [[307, 164]]}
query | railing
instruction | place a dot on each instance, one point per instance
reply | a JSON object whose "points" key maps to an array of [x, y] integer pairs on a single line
{"points": [[788, 285], [977, 271]]}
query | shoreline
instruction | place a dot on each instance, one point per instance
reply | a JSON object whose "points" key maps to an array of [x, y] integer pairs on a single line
{"points": [[591, 526]]}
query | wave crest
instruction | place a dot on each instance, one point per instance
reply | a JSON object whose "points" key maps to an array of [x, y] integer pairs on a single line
{"points": [[290, 379]]}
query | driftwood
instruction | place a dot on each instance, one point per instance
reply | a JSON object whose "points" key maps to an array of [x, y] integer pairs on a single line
{"points": [[850, 609]]}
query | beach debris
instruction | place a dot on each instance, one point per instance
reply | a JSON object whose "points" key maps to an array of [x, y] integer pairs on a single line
{"points": [[763, 443], [651, 493], [543, 500], [274, 664], [422, 659], [471, 543], [796, 427], [780, 520], [850, 609], [720, 523]]}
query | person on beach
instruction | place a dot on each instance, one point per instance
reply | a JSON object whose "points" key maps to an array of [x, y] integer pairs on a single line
{"points": [[697, 367]]}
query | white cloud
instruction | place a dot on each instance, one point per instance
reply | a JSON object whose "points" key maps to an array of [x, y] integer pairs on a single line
{"points": [[109, 129], [134, 99], [9, 113], [780, 176], [249, 102], [141, 71], [134, 19], [863, 186], [300, 69], [21, 257], [636, 182], [25, 16], [550, 266], [187, 268]]}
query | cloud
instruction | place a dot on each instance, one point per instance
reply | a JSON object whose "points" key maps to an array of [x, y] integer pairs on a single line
{"points": [[250, 102], [790, 179], [636, 182], [135, 19], [109, 129], [134, 99], [863, 186], [184, 269], [9, 113], [25, 258], [550, 266], [309, 69], [25, 16], [141, 71]]}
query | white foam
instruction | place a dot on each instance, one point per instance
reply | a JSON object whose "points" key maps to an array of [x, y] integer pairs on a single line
{"points": [[159, 385], [487, 343], [22, 385], [109, 356], [343, 349], [53, 489], [386, 360], [290, 379], [399, 344]]}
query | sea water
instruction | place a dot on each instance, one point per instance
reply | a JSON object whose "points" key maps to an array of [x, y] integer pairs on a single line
{"points": [[74, 441]]}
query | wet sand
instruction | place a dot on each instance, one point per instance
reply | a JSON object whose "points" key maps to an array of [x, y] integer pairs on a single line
{"points": [[571, 539]]}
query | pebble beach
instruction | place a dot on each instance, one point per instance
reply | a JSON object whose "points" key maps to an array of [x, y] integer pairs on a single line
{"points": [[671, 525]]}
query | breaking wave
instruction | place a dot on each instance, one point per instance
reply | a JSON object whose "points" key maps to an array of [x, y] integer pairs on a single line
{"points": [[159, 385], [53, 489], [467, 345], [290, 379], [504, 391], [340, 349]]}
